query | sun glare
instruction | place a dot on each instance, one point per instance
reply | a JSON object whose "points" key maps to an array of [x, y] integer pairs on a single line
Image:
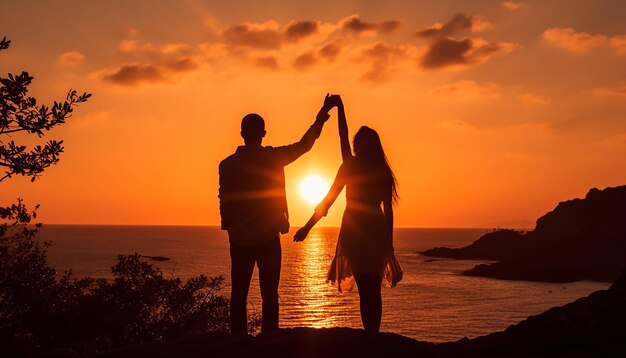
{"points": [[313, 188]]}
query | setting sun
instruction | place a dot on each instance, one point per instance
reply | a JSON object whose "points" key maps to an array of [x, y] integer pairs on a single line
{"points": [[313, 188]]}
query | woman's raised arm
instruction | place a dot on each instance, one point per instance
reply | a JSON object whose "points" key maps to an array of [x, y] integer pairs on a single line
{"points": [[346, 151]]}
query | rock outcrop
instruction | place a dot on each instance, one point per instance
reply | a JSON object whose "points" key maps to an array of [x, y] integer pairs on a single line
{"points": [[494, 245], [580, 239], [592, 326]]}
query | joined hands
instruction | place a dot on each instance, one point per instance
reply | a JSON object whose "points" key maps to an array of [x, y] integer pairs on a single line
{"points": [[331, 100]]}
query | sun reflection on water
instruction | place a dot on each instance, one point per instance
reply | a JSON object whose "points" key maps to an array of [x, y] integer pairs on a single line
{"points": [[317, 302]]}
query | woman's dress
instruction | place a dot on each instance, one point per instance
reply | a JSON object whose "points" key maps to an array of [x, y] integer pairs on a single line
{"points": [[364, 245]]}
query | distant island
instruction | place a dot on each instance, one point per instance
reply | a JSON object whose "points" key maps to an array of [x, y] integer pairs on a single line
{"points": [[591, 326], [581, 239]]}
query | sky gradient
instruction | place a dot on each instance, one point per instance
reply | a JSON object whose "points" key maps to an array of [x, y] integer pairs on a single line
{"points": [[490, 112]]}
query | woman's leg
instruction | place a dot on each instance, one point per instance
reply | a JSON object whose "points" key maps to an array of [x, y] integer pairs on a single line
{"points": [[371, 301]]}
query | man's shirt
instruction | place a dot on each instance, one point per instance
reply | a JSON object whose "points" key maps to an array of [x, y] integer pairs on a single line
{"points": [[253, 202]]}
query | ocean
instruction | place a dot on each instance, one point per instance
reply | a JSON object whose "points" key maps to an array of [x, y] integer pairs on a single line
{"points": [[432, 303]]}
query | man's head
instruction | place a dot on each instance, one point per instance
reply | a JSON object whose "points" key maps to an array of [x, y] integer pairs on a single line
{"points": [[252, 128]]}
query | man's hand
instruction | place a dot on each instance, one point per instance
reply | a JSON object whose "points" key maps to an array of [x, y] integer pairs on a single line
{"points": [[327, 106], [301, 234], [330, 101], [323, 115]]}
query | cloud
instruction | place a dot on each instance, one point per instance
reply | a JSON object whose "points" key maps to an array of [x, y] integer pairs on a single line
{"points": [[305, 61], [127, 46], [616, 140], [330, 50], [471, 91], [297, 30], [468, 90], [271, 36], [93, 118], [534, 99], [150, 63], [513, 6], [355, 25], [577, 42], [183, 64], [445, 52], [619, 44], [222, 56], [134, 50], [137, 73], [302, 45], [309, 59], [460, 23], [489, 105], [381, 57], [615, 92], [262, 45], [268, 35], [582, 42], [266, 62], [256, 35], [71, 58], [132, 75]]}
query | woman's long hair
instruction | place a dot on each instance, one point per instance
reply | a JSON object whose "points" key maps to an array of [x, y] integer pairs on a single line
{"points": [[369, 150]]}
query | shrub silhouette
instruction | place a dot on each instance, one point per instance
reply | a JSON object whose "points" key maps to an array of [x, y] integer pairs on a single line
{"points": [[40, 310]]}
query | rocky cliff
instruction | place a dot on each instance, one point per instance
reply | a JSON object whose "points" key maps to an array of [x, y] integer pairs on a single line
{"points": [[580, 239]]}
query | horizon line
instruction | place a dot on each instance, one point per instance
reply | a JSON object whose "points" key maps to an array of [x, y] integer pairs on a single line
{"points": [[321, 227]]}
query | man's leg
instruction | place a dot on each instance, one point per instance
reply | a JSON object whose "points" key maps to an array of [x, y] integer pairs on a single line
{"points": [[242, 266], [269, 261]]}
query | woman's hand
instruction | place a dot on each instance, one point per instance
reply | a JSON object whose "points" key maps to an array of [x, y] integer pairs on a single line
{"points": [[335, 100], [301, 234]]}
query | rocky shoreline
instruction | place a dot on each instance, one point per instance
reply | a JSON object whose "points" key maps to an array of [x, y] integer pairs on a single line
{"points": [[581, 239]]}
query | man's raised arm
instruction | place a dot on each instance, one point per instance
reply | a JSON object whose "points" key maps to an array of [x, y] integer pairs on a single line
{"points": [[289, 153]]}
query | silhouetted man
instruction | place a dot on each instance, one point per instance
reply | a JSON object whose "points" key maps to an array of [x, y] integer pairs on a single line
{"points": [[253, 206]]}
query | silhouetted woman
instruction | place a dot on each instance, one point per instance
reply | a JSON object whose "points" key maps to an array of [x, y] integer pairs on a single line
{"points": [[365, 246]]}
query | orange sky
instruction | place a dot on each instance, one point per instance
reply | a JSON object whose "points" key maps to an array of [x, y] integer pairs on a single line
{"points": [[490, 112]]}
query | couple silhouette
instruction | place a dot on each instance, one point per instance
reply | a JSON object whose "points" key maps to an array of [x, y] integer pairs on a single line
{"points": [[253, 208]]}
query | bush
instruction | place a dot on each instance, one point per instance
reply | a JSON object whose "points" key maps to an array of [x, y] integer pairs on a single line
{"points": [[39, 311], [141, 305]]}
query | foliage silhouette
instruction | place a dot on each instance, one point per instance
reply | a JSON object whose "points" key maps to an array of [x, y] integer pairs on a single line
{"points": [[21, 113], [39, 312]]}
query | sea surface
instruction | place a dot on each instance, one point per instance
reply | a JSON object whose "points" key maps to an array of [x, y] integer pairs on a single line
{"points": [[432, 303]]}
